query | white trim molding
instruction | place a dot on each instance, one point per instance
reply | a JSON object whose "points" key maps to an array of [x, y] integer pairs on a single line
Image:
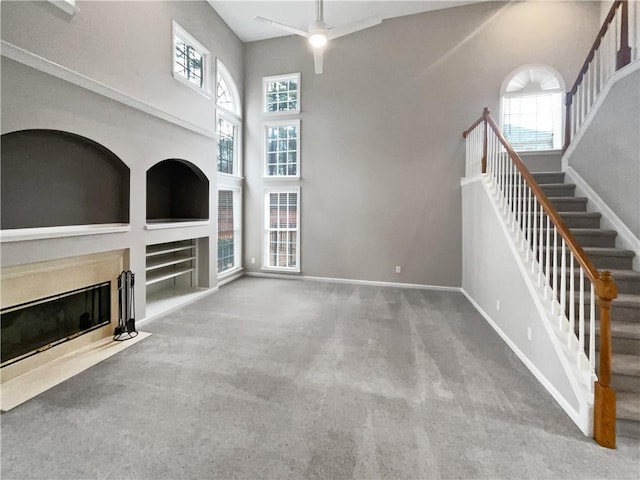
{"points": [[351, 281], [40, 233], [625, 237], [44, 65]]}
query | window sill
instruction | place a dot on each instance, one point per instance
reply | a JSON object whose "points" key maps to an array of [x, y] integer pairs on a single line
{"points": [[524, 153], [175, 223], [201, 90], [286, 178], [280, 270], [279, 113], [230, 275]]}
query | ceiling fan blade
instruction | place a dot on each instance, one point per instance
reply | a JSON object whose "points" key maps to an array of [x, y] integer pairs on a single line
{"points": [[282, 26], [353, 27], [317, 59]]}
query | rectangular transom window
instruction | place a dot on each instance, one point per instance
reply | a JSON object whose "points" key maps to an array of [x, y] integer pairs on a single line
{"points": [[190, 60], [228, 230], [282, 238], [282, 149], [281, 93]]}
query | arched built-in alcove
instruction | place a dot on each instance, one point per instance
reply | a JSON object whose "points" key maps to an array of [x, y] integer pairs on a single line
{"points": [[52, 178], [177, 191]]}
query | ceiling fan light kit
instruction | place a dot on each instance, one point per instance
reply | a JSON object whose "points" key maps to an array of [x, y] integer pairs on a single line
{"points": [[318, 34]]}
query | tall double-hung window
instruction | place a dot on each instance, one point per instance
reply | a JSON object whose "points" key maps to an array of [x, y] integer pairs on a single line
{"points": [[229, 167], [282, 221], [532, 99]]}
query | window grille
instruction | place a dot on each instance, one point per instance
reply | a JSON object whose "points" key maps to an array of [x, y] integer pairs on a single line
{"points": [[226, 146], [282, 149], [188, 62], [282, 93], [226, 231], [282, 230], [532, 109]]}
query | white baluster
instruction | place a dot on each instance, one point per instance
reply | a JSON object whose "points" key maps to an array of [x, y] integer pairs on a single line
{"points": [[534, 235], [547, 270], [541, 251], [563, 285], [581, 316], [592, 334], [572, 301], [555, 271], [526, 220]]}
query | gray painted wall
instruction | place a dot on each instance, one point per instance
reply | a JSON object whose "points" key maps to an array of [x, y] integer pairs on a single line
{"points": [[488, 261], [382, 151], [127, 46], [608, 155]]}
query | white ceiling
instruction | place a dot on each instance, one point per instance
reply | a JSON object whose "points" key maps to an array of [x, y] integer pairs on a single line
{"points": [[240, 14]]}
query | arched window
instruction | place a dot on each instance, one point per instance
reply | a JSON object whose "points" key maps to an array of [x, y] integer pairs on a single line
{"points": [[229, 130], [227, 95], [532, 99]]}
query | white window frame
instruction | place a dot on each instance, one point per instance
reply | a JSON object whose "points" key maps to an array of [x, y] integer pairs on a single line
{"points": [[561, 90], [267, 229], [236, 189], [223, 72], [265, 153], [180, 33], [279, 78], [232, 116], [237, 142]]}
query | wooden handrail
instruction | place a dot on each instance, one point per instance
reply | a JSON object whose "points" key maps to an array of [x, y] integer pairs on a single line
{"points": [[603, 284], [623, 57], [603, 30]]}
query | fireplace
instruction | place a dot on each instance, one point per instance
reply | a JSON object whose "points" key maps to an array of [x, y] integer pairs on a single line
{"points": [[35, 326], [50, 309]]}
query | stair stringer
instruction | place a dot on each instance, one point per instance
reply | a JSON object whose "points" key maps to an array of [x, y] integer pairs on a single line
{"points": [[495, 268]]}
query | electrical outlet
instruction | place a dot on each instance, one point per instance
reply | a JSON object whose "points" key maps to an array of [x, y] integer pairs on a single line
{"points": [[398, 269], [253, 259], [498, 305], [529, 333]]}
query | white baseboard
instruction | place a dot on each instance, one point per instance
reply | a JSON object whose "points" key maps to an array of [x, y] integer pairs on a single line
{"points": [[230, 277], [176, 305], [573, 414], [625, 239], [351, 281]]}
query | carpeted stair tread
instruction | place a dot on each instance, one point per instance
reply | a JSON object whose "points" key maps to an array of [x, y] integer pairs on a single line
{"points": [[622, 330], [598, 232], [628, 406], [610, 252], [548, 177], [581, 214], [626, 364]]}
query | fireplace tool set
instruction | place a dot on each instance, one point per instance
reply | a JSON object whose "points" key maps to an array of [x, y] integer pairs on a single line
{"points": [[126, 328]]}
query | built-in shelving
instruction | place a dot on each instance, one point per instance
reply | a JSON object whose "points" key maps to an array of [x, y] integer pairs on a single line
{"points": [[171, 270], [168, 261]]}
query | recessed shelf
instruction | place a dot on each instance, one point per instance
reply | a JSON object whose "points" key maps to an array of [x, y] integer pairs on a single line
{"points": [[151, 280], [166, 248], [38, 233], [154, 264]]}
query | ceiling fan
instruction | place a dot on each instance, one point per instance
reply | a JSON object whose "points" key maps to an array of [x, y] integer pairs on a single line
{"points": [[319, 33]]}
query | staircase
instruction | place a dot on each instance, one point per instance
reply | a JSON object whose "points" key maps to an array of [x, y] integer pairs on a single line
{"points": [[599, 245]]}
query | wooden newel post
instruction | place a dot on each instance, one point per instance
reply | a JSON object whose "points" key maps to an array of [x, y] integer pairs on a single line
{"points": [[624, 54], [604, 407], [485, 114]]}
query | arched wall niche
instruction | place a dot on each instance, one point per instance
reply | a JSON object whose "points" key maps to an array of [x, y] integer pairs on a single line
{"points": [[52, 178], [177, 190]]}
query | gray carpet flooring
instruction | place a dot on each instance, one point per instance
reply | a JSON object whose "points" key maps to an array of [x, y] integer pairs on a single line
{"points": [[283, 379]]}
